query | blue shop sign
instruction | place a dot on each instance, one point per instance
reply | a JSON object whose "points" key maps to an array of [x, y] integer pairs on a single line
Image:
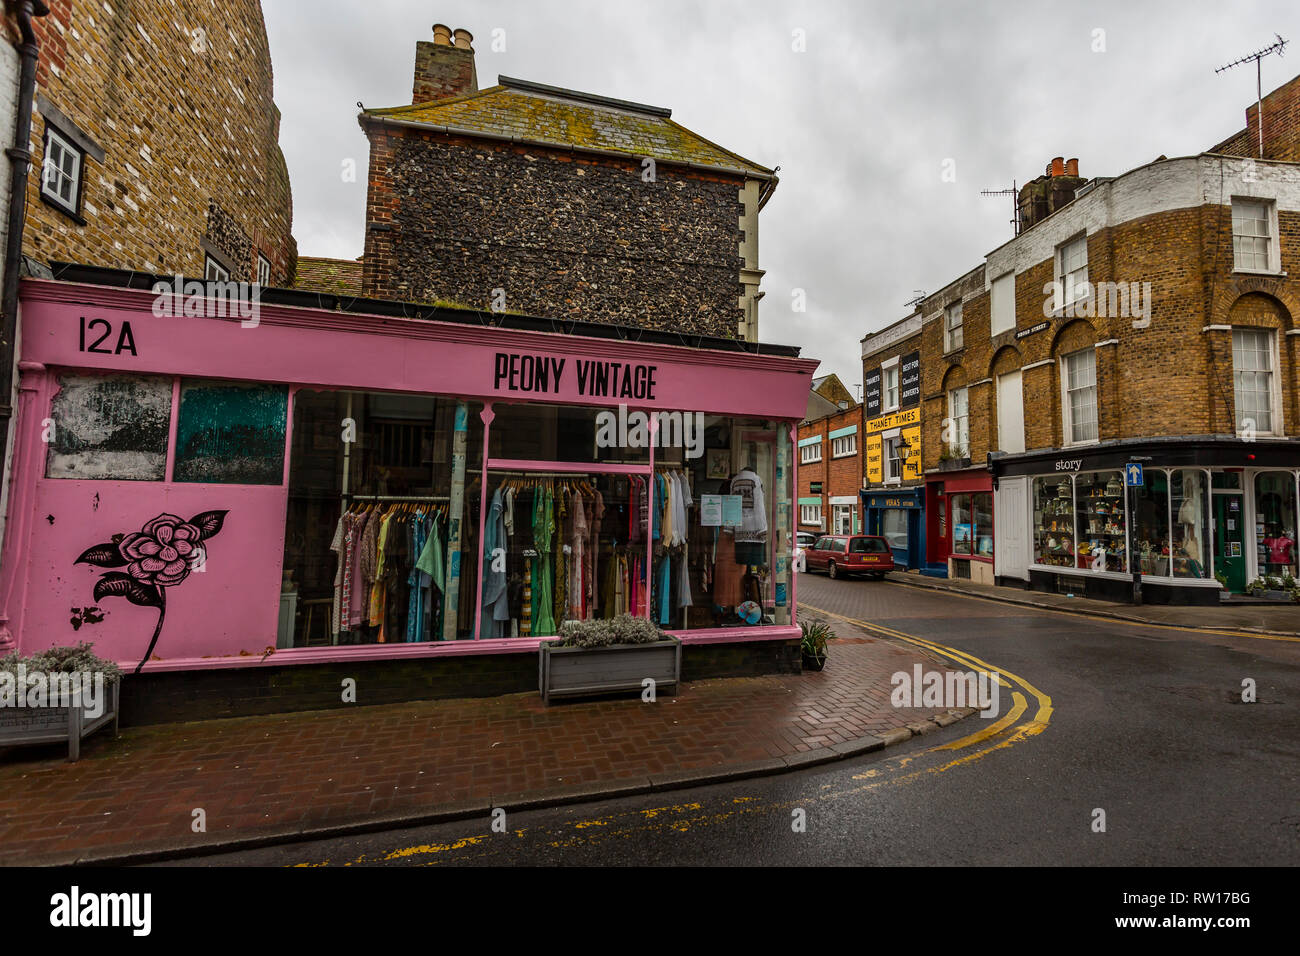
{"points": [[892, 501]]}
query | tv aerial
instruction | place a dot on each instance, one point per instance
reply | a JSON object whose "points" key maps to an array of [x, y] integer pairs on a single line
{"points": [[1258, 56], [1015, 204]]}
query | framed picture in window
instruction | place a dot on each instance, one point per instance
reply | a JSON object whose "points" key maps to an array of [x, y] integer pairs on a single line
{"points": [[719, 462]]}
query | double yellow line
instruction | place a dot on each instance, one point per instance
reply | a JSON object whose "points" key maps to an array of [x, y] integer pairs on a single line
{"points": [[1019, 702]]}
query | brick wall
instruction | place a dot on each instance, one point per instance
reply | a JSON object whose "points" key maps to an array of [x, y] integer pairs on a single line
{"points": [[1281, 127], [451, 219], [178, 96], [839, 477], [1167, 379], [811, 473]]}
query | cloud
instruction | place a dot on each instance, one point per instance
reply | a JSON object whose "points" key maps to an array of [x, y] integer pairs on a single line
{"points": [[860, 122]]}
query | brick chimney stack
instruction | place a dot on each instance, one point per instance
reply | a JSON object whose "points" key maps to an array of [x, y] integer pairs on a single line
{"points": [[1041, 197], [444, 68]]}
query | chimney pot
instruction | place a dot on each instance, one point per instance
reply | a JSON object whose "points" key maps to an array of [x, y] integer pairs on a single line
{"points": [[1072, 167], [444, 69], [1058, 166]]}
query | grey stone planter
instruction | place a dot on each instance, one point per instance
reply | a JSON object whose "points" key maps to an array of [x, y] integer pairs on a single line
{"points": [[21, 726], [585, 671]]}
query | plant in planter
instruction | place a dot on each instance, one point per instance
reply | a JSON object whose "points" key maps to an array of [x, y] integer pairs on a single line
{"points": [[624, 629], [604, 656], [813, 644], [60, 694], [64, 660]]}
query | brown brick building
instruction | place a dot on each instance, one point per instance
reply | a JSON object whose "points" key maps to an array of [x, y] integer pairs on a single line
{"points": [[1146, 319], [158, 139], [830, 472], [528, 198]]}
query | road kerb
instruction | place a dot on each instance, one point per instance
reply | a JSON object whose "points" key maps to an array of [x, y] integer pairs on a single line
{"points": [[518, 802]]}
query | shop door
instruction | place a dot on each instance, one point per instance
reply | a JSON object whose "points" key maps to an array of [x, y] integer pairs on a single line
{"points": [[1011, 549], [1229, 538], [843, 519]]}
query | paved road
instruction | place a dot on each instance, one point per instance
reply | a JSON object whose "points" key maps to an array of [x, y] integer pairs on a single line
{"points": [[1144, 723]]}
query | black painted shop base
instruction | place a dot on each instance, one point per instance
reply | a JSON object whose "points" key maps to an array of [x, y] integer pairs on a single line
{"points": [[172, 696], [1111, 589]]}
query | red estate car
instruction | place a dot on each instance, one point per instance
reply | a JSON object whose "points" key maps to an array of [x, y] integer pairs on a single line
{"points": [[844, 554]]}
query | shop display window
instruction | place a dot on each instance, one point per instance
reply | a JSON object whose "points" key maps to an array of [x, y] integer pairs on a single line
{"points": [[963, 525], [1054, 538], [893, 527], [560, 547], [720, 568], [368, 550], [982, 504], [569, 508], [1099, 520], [1190, 501], [1275, 524], [709, 514], [1149, 542]]}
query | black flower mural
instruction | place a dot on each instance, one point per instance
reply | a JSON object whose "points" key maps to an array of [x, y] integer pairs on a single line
{"points": [[159, 556]]}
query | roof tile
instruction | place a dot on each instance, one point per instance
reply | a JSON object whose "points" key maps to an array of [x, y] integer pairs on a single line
{"points": [[553, 119]]}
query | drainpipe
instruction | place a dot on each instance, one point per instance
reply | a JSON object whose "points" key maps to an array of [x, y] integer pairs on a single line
{"points": [[20, 160]]}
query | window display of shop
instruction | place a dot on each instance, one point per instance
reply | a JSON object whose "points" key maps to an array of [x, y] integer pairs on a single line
{"points": [[1275, 525], [1184, 529], [1100, 521], [1189, 506], [1054, 522], [330, 485], [972, 524]]}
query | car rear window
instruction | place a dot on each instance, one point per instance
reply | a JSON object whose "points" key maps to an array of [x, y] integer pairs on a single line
{"points": [[867, 546]]}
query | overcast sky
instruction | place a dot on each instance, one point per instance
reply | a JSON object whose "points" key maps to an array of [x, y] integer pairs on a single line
{"points": [[861, 121]]}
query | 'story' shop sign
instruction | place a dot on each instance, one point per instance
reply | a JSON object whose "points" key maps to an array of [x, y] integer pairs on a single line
{"points": [[546, 374]]}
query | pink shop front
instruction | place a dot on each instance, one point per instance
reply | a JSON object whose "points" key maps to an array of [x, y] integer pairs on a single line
{"points": [[415, 495]]}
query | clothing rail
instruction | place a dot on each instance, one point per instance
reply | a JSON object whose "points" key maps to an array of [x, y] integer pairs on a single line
{"points": [[397, 497], [540, 474], [566, 469]]}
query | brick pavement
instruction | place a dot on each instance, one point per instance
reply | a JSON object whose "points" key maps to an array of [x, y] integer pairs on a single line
{"points": [[277, 776]]}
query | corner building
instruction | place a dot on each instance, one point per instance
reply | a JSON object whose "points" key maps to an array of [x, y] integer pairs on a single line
{"points": [[410, 493], [1144, 322]]}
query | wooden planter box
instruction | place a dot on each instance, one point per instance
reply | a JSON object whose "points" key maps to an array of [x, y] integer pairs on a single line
{"points": [[20, 726], [583, 671]]}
